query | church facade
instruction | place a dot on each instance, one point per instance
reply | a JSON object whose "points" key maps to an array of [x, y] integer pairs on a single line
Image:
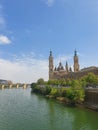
{"points": [[62, 72]]}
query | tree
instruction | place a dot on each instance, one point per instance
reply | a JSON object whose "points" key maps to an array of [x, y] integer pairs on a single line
{"points": [[75, 92], [40, 81], [90, 79]]}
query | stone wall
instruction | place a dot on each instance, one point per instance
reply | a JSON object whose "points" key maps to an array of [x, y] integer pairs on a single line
{"points": [[91, 98]]}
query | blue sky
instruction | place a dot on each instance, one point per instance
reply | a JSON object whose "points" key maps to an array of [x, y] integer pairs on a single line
{"points": [[30, 28]]}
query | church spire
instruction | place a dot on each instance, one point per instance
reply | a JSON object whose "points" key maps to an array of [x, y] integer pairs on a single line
{"points": [[66, 66]]}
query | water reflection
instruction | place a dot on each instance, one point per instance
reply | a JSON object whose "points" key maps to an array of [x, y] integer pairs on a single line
{"points": [[61, 116], [22, 110]]}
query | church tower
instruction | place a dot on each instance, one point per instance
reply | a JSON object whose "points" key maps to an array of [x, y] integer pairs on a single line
{"points": [[66, 67], [76, 62], [51, 66]]}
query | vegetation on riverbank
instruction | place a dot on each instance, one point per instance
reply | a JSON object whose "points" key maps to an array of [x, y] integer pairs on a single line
{"points": [[66, 90]]}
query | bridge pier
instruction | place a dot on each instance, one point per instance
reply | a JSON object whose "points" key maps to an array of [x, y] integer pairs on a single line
{"points": [[24, 86], [17, 86], [3, 86], [10, 86]]}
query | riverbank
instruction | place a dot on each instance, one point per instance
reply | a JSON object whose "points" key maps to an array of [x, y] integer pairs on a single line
{"points": [[70, 103], [70, 91], [68, 96]]}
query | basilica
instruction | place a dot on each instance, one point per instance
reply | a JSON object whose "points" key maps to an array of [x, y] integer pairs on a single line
{"points": [[62, 72]]}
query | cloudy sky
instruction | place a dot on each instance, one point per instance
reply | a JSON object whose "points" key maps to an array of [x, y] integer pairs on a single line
{"points": [[30, 28]]}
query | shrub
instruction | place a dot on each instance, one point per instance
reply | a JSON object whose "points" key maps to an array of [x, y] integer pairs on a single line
{"points": [[54, 92], [48, 89], [75, 94]]}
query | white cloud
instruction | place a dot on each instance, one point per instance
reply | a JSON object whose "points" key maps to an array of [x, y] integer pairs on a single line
{"points": [[27, 68], [49, 2], [4, 40], [24, 70]]}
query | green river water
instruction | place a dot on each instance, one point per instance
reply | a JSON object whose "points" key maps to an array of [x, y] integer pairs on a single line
{"points": [[21, 110]]}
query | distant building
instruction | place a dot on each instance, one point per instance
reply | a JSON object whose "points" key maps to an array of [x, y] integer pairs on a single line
{"points": [[66, 72], [6, 82]]}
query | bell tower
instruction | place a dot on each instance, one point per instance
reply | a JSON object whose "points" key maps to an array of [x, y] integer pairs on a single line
{"points": [[51, 66], [76, 62]]}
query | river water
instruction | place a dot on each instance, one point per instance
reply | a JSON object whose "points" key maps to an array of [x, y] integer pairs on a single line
{"points": [[21, 110]]}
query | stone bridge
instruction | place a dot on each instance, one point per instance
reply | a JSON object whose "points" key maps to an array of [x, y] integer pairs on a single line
{"points": [[24, 86]]}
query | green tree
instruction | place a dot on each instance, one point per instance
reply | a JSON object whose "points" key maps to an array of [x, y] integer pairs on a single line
{"points": [[75, 92], [40, 81], [89, 79]]}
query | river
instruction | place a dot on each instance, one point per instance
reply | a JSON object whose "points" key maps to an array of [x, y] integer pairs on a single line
{"points": [[21, 110]]}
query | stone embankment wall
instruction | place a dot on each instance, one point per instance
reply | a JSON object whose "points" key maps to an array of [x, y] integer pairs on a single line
{"points": [[91, 98]]}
